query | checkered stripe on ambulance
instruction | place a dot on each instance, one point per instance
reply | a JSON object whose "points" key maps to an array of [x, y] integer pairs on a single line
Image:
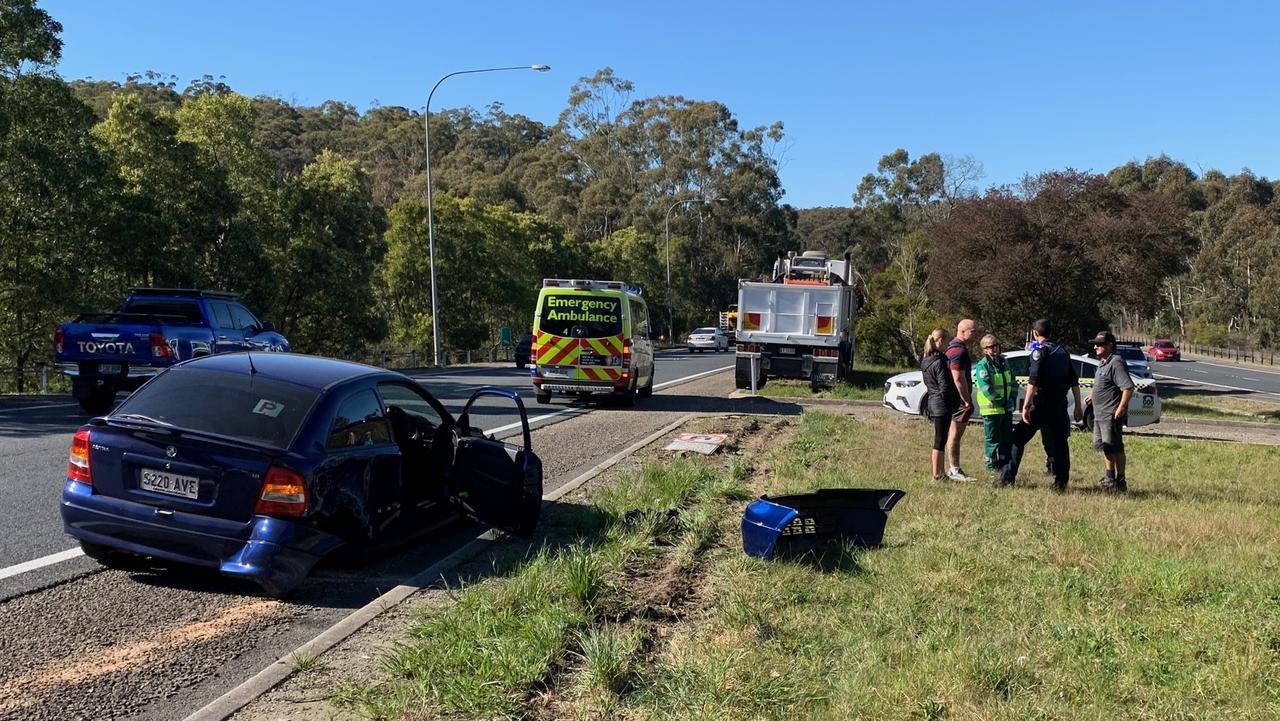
{"points": [[580, 332]]}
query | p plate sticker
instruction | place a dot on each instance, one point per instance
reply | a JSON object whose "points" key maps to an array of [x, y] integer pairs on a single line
{"points": [[270, 409]]}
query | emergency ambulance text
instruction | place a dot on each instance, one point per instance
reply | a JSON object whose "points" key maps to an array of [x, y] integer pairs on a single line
{"points": [[580, 309]]}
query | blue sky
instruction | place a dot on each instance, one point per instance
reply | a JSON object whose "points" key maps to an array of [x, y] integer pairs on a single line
{"points": [[1021, 86]]}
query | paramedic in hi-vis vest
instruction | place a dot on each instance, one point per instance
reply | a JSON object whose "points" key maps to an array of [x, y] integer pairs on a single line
{"points": [[997, 394]]}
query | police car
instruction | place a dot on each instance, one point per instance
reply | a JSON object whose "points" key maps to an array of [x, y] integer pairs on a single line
{"points": [[905, 392]]}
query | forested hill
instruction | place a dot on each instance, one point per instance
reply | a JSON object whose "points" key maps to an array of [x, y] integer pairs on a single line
{"points": [[317, 217]]}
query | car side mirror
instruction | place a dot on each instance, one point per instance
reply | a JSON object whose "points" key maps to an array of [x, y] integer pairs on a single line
{"points": [[267, 327]]}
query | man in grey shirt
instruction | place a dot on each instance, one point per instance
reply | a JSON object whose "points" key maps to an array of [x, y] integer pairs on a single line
{"points": [[1112, 388]]}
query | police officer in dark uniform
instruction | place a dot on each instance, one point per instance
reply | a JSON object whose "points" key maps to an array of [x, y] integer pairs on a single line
{"points": [[1045, 408]]}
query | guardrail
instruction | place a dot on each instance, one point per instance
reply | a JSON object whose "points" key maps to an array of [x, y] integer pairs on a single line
{"points": [[394, 358], [15, 378], [1244, 354]]}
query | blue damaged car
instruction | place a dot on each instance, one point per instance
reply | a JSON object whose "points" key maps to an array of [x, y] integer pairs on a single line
{"points": [[261, 464]]}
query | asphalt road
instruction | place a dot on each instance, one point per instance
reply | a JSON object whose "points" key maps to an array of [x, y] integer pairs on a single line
{"points": [[35, 437], [1222, 376]]}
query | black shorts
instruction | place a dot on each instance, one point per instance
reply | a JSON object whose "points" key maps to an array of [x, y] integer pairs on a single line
{"points": [[941, 428]]}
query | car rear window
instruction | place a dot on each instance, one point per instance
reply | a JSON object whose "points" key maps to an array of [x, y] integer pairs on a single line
{"points": [[579, 315], [170, 311], [228, 404], [704, 331], [1164, 344], [1131, 354]]}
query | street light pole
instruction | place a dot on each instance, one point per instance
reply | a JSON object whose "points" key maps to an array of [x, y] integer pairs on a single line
{"points": [[667, 231], [431, 226]]}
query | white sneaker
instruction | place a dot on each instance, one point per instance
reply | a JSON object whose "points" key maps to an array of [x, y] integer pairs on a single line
{"points": [[958, 474]]}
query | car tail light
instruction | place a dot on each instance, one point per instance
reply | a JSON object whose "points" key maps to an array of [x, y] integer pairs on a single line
{"points": [[78, 468], [284, 494], [748, 347], [57, 341], [159, 346]]}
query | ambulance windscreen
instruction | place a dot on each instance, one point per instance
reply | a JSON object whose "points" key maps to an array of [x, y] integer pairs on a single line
{"points": [[579, 315]]}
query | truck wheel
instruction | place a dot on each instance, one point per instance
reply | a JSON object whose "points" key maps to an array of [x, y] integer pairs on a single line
{"points": [[99, 401], [742, 375], [542, 398]]}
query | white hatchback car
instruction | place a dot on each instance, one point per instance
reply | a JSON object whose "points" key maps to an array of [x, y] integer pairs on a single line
{"points": [[905, 392], [712, 339], [1135, 359]]}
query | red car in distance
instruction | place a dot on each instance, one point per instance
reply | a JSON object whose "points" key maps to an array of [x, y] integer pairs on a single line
{"points": [[1164, 350]]}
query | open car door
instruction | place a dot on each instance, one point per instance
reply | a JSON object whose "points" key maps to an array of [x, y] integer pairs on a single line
{"points": [[495, 482]]}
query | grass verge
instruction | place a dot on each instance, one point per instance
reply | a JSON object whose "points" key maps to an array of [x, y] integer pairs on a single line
{"points": [[982, 604], [866, 384], [1219, 410]]}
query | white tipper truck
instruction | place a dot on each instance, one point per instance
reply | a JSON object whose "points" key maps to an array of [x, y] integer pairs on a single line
{"points": [[800, 325]]}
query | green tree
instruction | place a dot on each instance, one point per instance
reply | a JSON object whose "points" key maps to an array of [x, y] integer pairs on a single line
{"points": [[324, 271], [220, 125], [51, 190], [490, 263], [169, 204]]}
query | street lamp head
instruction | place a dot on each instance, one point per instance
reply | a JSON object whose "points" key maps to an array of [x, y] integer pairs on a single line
{"points": [[540, 67]]}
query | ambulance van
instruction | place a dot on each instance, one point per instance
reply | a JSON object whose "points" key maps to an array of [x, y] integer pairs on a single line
{"points": [[591, 337]]}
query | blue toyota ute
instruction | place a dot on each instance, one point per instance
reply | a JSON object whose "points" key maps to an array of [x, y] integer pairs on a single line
{"points": [[260, 464]]}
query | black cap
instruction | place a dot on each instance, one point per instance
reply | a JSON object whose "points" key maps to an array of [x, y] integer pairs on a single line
{"points": [[1104, 337]]}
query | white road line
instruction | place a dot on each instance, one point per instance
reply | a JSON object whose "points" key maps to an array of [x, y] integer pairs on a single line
{"points": [[1218, 385], [48, 560], [660, 386], [36, 408], [1247, 378], [657, 387], [1237, 368]]}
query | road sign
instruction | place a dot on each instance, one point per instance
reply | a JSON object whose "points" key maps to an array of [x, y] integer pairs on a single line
{"points": [[506, 335]]}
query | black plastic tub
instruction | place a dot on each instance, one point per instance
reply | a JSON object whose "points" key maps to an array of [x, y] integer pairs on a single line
{"points": [[796, 524]]}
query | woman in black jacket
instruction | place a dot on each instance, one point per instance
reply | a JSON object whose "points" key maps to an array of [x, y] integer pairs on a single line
{"points": [[942, 398]]}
